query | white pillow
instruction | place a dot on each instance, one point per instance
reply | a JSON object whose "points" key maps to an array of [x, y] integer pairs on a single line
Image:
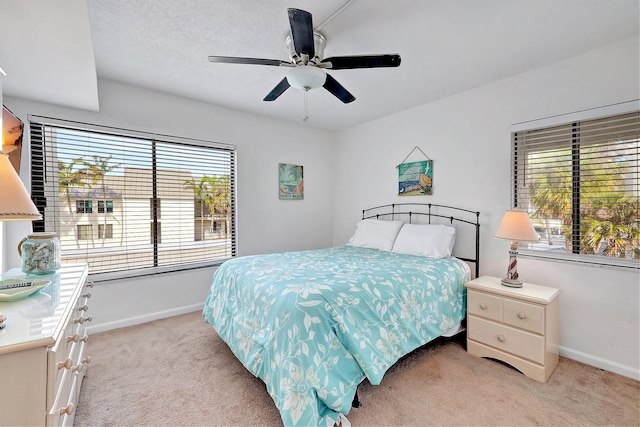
{"points": [[376, 234], [429, 240]]}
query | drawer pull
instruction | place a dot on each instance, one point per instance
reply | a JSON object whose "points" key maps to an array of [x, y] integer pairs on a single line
{"points": [[84, 338], [501, 338], [83, 308], [66, 410], [89, 285], [81, 319], [73, 338], [86, 295], [77, 368], [483, 306], [87, 360], [66, 364], [521, 316]]}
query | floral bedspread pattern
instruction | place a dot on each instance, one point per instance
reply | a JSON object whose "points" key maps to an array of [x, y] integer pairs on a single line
{"points": [[312, 324]]}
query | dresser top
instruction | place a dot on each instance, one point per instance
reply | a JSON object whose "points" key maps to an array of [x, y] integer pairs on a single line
{"points": [[528, 291], [37, 320]]}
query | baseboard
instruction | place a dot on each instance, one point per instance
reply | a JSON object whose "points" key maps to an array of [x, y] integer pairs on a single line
{"points": [[604, 364], [95, 328]]}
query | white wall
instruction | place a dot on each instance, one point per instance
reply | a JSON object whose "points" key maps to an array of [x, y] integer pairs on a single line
{"points": [[265, 223], [468, 138]]}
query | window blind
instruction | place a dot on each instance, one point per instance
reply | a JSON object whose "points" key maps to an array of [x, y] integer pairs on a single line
{"points": [[580, 183], [133, 203]]}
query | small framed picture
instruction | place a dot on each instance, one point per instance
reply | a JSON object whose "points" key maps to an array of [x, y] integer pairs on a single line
{"points": [[291, 181]]}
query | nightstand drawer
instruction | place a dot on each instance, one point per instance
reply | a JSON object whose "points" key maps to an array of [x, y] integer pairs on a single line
{"points": [[484, 305], [524, 344], [524, 315]]}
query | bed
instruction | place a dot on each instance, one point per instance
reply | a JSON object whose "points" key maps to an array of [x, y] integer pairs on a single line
{"points": [[313, 324]]}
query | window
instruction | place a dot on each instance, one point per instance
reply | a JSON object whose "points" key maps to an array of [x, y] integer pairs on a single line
{"points": [[105, 231], [101, 205], [580, 183], [85, 232], [84, 206], [129, 176]]}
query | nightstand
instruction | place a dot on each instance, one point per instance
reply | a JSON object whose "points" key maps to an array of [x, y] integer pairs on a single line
{"points": [[518, 326]]}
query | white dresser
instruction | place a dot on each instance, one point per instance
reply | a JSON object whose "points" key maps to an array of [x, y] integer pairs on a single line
{"points": [[42, 350], [518, 326]]}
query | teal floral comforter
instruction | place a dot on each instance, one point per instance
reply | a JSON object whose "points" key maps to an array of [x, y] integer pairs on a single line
{"points": [[313, 324]]}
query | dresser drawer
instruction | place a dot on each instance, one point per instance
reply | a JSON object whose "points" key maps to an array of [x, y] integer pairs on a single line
{"points": [[520, 343], [59, 361], [523, 315], [484, 305], [67, 361]]}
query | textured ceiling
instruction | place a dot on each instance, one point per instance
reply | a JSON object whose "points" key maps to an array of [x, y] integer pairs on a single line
{"points": [[447, 47]]}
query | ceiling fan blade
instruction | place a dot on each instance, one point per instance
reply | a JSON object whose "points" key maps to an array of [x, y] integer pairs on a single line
{"points": [[362, 61], [254, 61], [302, 32], [277, 91], [338, 90]]}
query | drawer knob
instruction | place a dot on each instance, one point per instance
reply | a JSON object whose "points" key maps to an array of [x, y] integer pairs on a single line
{"points": [[483, 306], [66, 364], [521, 316], [73, 338], [83, 308], [86, 295], [501, 338], [81, 319], [66, 410]]}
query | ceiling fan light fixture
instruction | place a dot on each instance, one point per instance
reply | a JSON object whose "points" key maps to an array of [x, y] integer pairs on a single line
{"points": [[306, 77]]}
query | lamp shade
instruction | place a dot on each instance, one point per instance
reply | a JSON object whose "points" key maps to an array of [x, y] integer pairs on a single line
{"points": [[516, 226], [15, 202], [306, 77]]}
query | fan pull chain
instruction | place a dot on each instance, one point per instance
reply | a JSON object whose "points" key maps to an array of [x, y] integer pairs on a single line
{"points": [[306, 106]]}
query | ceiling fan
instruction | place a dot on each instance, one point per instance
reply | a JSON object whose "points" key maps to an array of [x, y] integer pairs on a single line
{"points": [[307, 63]]}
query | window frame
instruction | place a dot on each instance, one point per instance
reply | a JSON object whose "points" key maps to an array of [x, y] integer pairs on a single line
{"points": [[109, 205], [39, 172], [105, 231], [85, 232], [516, 175], [84, 206]]}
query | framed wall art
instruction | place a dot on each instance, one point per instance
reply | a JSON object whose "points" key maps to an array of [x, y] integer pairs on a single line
{"points": [[12, 132], [415, 178], [291, 181]]}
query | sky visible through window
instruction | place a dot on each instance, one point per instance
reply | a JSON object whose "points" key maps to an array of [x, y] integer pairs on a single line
{"points": [[134, 152]]}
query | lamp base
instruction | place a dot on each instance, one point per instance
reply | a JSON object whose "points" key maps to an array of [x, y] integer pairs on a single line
{"points": [[511, 283]]}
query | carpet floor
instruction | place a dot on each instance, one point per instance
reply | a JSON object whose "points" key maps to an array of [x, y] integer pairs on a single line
{"points": [[178, 372]]}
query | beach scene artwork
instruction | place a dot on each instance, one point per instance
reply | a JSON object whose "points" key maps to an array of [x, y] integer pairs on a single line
{"points": [[291, 182], [415, 178]]}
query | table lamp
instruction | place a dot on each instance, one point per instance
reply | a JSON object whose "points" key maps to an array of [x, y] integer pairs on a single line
{"points": [[517, 227], [15, 202]]}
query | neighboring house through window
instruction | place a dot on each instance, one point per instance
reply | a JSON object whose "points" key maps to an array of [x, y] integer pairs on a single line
{"points": [[136, 182]]}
